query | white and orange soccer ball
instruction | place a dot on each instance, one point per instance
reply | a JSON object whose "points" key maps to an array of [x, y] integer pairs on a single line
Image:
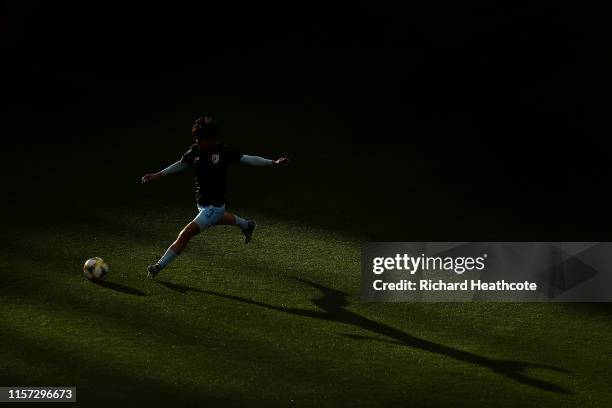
{"points": [[95, 269]]}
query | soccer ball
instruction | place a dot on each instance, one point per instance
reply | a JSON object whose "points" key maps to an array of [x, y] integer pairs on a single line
{"points": [[95, 269]]}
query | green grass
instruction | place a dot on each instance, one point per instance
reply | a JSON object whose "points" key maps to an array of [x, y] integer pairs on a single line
{"points": [[278, 322]]}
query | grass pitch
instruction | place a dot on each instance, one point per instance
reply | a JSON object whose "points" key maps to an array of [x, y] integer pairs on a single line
{"points": [[275, 322], [278, 322]]}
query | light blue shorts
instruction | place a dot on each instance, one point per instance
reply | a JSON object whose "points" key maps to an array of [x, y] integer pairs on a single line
{"points": [[208, 216]]}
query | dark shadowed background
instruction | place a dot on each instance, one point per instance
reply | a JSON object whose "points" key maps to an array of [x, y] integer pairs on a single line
{"points": [[436, 121]]}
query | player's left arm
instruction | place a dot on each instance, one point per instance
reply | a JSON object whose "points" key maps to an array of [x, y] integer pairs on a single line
{"points": [[260, 161], [180, 165]]}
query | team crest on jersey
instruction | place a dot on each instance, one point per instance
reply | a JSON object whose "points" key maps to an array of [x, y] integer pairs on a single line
{"points": [[214, 158]]}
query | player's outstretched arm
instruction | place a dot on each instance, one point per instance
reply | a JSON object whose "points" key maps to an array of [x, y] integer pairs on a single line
{"points": [[150, 177], [260, 161], [173, 168], [282, 161]]}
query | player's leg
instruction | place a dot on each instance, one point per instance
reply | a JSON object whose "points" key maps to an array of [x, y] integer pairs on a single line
{"points": [[247, 226], [191, 230], [206, 218]]}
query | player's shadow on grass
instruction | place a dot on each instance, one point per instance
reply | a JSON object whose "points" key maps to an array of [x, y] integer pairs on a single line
{"points": [[333, 304], [179, 288], [121, 288]]}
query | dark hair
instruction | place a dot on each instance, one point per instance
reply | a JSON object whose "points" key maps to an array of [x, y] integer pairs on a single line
{"points": [[205, 127]]}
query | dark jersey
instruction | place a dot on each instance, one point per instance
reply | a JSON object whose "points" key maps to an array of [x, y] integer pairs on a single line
{"points": [[211, 172]]}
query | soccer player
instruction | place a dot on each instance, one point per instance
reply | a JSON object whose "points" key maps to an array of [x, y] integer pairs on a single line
{"points": [[210, 161]]}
